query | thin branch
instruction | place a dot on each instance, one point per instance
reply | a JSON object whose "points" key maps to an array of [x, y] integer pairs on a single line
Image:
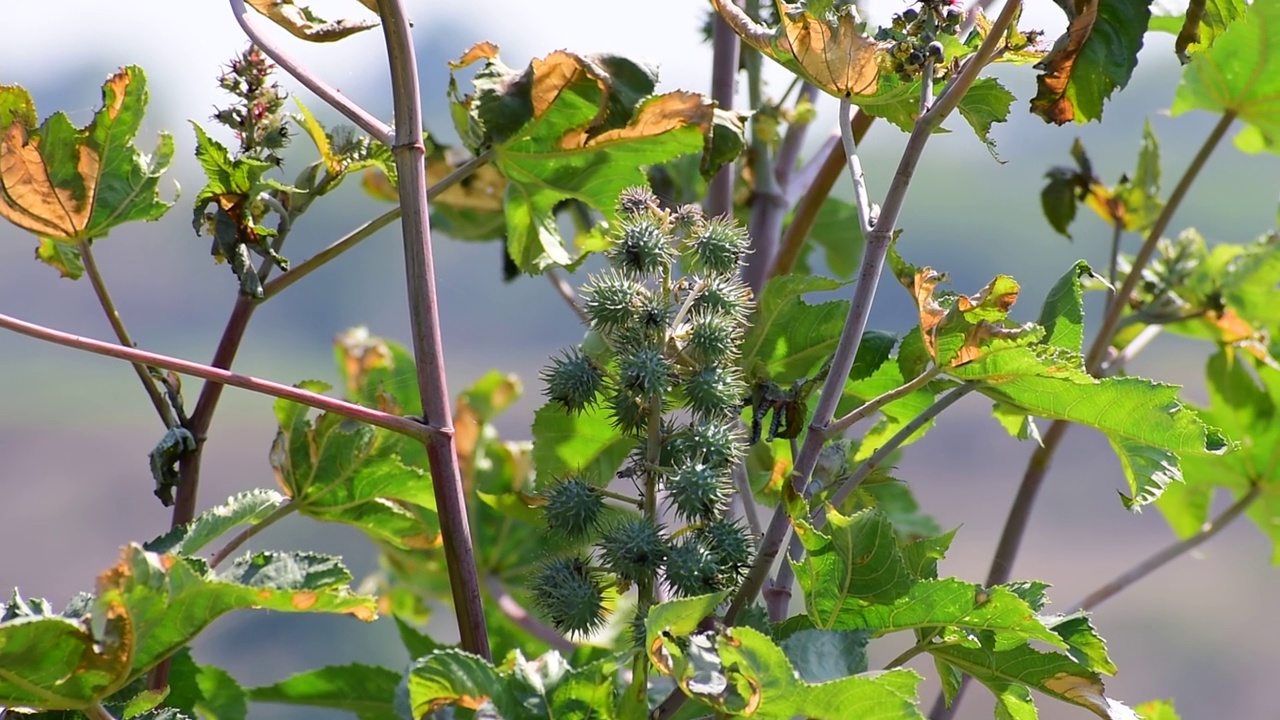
{"points": [[725, 53], [777, 596], [394, 423], [1117, 232], [97, 712], [870, 407], [882, 454], [428, 351], [806, 212], [295, 273], [521, 617], [244, 535], [850, 145], [158, 400], [1139, 343], [565, 291], [926, 87], [907, 655], [353, 112], [1159, 559], [1115, 309], [749, 510]]}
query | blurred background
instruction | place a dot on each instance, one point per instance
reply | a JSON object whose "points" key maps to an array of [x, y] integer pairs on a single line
{"points": [[75, 429]]}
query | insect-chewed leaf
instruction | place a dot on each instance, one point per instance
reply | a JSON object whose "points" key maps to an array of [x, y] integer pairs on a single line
{"points": [[302, 23]]}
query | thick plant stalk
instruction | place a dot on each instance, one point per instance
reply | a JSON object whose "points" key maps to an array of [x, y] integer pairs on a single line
{"points": [[442, 455], [726, 50]]}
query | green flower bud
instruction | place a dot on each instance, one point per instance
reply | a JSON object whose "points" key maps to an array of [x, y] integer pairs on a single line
{"points": [[633, 549], [573, 507], [568, 594], [698, 492], [573, 381], [692, 569], [643, 248], [719, 245], [714, 390]]}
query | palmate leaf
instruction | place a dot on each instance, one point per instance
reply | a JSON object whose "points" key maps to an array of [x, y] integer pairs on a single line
{"points": [[365, 690], [740, 671], [1092, 59], [1053, 674], [66, 184], [571, 127], [337, 470], [789, 338], [1240, 74], [585, 443], [1243, 400], [854, 560], [148, 606], [546, 687]]}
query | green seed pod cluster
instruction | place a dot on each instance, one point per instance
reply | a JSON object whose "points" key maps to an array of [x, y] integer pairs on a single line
{"points": [[914, 37], [661, 360]]}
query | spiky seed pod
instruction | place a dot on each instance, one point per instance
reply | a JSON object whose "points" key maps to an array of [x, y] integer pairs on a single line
{"points": [[698, 492], [568, 594], [573, 381], [646, 373], [688, 220], [723, 295], [637, 200], [691, 568], [609, 300], [729, 542], [573, 507], [643, 247], [714, 390], [719, 245], [654, 315], [716, 443], [712, 337], [630, 411], [633, 549]]}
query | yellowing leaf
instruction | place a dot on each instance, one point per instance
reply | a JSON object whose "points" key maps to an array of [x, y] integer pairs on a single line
{"points": [[302, 23], [824, 45]]}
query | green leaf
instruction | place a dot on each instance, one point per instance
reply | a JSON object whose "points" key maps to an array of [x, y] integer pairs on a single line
{"points": [[454, 677], [246, 508], [823, 655], [1058, 199], [1013, 702], [1094, 57], [789, 338], [1202, 24], [1146, 424], [856, 561], [837, 231], [586, 443], [897, 502], [416, 642], [1243, 400], [895, 415], [923, 555], [1157, 710], [56, 663], [954, 603], [1062, 315], [552, 142], [740, 671], [1139, 197], [338, 470], [544, 688], [377, 372], [222, 696], [1083, 642], [680, 617], [986, 103], [1240, 74], [365, 690], [69, 185], [1053, 674]]}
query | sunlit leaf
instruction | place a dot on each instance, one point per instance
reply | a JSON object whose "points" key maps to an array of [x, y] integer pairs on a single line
{"points": [[790, 338], [338, 470], [1093, 58], [69, 185], [1202, 24], [1157, 710], [246, 508], [1240, 74], [822, 655], [365, 690], [301, 22], [585, 442], [852, 561], [547, 687]]}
